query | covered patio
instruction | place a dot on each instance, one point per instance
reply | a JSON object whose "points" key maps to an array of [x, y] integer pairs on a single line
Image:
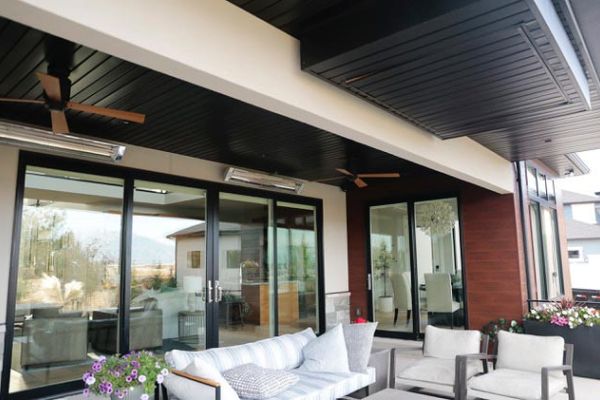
{"points": [[195, 175]]}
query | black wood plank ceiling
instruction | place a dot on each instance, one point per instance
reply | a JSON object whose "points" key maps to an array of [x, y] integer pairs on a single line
{"points": [[180, 117], [480, 68]]}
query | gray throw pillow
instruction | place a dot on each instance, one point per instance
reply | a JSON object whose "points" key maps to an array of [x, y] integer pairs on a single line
{"points": [[253, 382], [327, 353], [359, 340]]}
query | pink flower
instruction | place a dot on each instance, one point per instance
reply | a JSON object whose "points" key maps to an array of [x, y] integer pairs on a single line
{"points": [[559, 320]]}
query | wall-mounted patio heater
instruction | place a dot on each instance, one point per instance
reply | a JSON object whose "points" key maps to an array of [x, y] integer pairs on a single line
{"points": [[39, 139], [265, 180]]}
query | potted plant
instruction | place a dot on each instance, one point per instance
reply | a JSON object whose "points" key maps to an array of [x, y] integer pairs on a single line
{"points": [[131, 376], [383, 262], [577, 324]]}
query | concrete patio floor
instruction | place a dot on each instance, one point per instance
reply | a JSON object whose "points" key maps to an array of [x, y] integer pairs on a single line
{"points": [[407, 351]]}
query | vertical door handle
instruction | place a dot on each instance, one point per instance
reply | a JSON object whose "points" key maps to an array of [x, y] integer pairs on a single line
{"points": [[219, 292], [369, 282], [209, 291]]}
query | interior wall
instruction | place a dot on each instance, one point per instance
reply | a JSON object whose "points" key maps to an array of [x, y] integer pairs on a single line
{"points": [[334, 208], [492, 255]]}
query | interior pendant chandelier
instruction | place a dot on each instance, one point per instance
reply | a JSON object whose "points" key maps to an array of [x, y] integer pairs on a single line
{"points": [[436, 218]]}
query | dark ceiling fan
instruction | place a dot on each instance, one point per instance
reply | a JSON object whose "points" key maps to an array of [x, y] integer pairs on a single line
{"points": [[57, 89], [358, 179]]}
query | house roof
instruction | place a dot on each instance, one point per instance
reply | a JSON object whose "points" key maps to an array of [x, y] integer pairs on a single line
{"points": [[582, 230], [201, 227], [573, 197]]}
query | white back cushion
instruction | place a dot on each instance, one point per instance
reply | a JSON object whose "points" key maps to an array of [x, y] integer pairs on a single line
{"points": [[529, 352], [281, 352], [448, 343]]}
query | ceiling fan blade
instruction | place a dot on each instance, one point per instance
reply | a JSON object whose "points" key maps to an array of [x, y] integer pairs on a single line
{"points": [[27, 101], [108, 112], [335, 178], [59, 122], [360, 183], [344, 171], [381, 175], [51, 85]]}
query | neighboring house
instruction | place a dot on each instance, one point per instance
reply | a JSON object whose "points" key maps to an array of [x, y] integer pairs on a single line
{"points": [[582, 217]]}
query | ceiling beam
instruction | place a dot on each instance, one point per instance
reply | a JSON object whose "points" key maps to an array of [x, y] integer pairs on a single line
{"points": [[216, 45]]}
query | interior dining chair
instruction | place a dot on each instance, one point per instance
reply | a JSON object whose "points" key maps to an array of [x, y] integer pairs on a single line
{"points": [[438, 288], [402, 297]]}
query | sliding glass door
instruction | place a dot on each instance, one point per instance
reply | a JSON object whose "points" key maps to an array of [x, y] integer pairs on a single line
{"points": [[391, 267], [416, 274], [112, 260], [69, 270], [245, 288], [168, 268]]}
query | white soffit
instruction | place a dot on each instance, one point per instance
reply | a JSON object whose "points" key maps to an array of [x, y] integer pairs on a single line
{"points": [[216, 45]]}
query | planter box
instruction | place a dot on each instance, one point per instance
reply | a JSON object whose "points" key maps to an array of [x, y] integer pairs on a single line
{"points": [[586, 360]]}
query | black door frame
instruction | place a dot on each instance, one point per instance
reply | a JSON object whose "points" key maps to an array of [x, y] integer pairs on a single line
{"points": [[410, 202], [129, 176]]}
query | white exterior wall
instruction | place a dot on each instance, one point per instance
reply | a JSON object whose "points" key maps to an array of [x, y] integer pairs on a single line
{"points": [[585, 273], [584, 212], [335, 247]]}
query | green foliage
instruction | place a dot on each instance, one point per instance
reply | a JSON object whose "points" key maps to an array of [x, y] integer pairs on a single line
{"points": [[493, 327]]}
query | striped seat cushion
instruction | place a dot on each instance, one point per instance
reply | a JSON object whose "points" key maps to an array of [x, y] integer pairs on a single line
{"points": [[281, 352], [326, 385]]}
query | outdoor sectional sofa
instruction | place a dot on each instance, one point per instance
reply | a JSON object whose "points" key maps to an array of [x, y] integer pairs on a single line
{"points": [[282, 352]]}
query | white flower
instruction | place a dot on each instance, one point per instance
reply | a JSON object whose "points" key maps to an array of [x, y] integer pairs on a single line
{"points": [[90, 380], [164, 372], [142, 378]]}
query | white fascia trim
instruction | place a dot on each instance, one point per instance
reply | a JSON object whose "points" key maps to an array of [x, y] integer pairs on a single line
{"points": [[217, 45]]}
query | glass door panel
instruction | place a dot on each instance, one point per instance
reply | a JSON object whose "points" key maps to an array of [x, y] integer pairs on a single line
{"points": [[439, 266], [552, 253], [390, 267], [297, 293], [68, 284], [168, 268], [245, 289]]}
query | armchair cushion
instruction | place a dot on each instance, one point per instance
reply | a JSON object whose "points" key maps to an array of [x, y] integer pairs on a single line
{"points": [[529, 352], [515, 384], [438, 370], [447, 343]]}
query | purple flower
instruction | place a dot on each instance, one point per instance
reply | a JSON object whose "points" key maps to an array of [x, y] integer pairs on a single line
{"points": [[160, 379], [128, 379], [142, 378], [135, 364], [96, 367], [85, 376], [86, 392], [134, 373], [102, 359]]}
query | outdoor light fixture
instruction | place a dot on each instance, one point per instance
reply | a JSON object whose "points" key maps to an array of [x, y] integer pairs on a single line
{"points": [[39, 139], [265, 180]]}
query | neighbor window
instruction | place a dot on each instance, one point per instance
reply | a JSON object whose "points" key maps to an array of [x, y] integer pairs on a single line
{"points": [[575, 254]]}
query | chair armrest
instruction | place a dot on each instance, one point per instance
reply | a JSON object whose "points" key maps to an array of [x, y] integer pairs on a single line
{"points": [[460, 372], [566, 370], [198, 379], [209, 389]]}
